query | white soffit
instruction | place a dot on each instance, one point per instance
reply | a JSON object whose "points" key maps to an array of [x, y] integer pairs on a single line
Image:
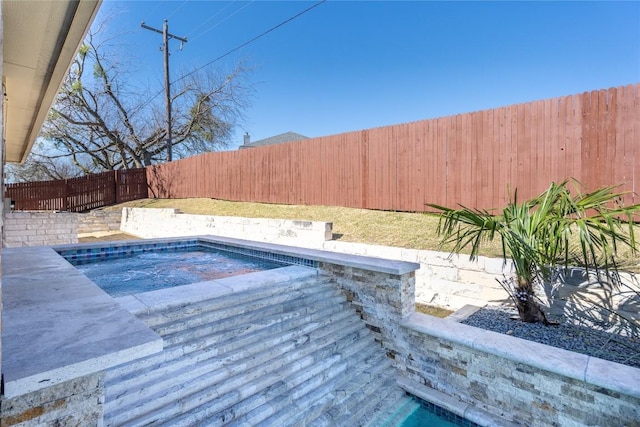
{"points": [[40, 41]]}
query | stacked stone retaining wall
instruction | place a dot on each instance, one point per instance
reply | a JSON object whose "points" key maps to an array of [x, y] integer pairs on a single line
{"points": [[151, 223], [99, 222], [523, 381], [39, 228]]}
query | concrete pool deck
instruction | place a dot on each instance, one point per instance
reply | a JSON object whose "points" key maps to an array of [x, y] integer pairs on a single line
{"points": [[58, 325]]}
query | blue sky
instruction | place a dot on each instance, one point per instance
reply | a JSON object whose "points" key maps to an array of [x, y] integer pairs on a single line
{"points": [[351, 65]]}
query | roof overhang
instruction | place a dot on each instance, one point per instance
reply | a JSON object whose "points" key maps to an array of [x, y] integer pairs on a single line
{"points": [[40, 41]]}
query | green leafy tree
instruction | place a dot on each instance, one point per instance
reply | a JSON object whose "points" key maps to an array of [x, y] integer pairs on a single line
{"points": [[553, 230]]}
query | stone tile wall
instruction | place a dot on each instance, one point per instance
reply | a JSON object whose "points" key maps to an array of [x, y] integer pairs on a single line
{"points": [[381, 300], [76, 403], [520, 392], [150, 223], [521, 381], [39, 228], [99, 221], [443, 279]]}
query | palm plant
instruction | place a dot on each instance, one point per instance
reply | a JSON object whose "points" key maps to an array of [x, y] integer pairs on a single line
{"points": [[540, 235]]}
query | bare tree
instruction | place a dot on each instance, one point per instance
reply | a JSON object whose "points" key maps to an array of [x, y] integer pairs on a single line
{"points": [[43, 164], [100, 121]]}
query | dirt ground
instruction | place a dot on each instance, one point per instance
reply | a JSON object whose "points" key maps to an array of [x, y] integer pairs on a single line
{"points": [[108, 238]]}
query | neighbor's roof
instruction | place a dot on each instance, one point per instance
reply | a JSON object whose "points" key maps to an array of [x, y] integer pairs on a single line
{"points": [[278, 139], [40, 40]]}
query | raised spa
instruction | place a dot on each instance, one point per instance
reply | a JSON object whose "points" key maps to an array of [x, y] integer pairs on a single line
{"points": [[129, 268]]}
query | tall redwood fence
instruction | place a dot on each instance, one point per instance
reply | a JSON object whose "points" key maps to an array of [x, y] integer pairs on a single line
{"points": [[475, 159], [79, 194]]}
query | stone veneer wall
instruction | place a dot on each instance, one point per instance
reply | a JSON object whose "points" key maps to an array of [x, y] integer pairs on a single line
{"points": [[99, 222], [39, 228], [150, 223], [443, 279], [521, 392], [76, 403], [521, 381]]}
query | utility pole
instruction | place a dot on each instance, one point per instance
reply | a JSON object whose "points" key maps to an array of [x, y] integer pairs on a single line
{"points": [[167, 84]]}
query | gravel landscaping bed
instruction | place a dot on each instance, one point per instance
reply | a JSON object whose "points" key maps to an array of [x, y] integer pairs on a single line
{"points": [[579, 339]]}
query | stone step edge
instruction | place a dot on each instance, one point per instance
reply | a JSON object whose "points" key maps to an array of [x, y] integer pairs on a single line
{"points": [[232, 315], [309, 355], [319, 331], [164, 316]]}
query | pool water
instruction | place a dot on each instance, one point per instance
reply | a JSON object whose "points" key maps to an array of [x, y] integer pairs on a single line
{"points": [[422, 417], [419, 413], [148, 271]]}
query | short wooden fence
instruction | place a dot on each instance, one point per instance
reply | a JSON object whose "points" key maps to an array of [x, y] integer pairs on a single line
{"points": [[79, 194]]}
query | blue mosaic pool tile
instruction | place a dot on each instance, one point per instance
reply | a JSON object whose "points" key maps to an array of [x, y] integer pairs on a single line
{"points": [[261, 254], [83, 255], [445, 414]]}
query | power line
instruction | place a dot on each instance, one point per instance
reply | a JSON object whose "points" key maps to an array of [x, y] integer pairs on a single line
{"points": [[238, 48], [210, 18], [158, 3], [177, 9], [220, 22], [252, 40]]}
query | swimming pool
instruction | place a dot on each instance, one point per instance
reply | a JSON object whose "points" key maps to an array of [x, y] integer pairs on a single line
{"points": [[128, 268]]}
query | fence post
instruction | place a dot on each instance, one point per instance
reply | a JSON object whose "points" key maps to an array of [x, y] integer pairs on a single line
{"points": [[65, 196], [116, 184]]}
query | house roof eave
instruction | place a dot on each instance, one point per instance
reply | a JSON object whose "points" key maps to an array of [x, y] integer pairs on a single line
{"points": [[40, 40]]}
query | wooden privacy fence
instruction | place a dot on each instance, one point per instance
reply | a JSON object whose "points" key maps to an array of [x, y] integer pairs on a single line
{"points": [[475, 159], [79, 194]]}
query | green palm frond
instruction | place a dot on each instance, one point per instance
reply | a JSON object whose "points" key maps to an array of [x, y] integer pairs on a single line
{"points": [[554, 228]]}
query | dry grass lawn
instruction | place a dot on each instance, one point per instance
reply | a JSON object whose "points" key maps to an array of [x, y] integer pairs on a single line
{"points": [[433, 310], [407, 230]]}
